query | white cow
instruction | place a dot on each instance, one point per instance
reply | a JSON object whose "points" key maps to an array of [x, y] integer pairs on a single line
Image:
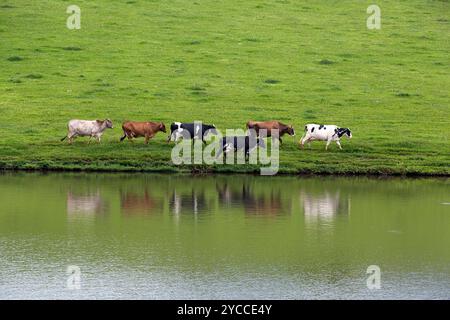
{"points": [[91, 128], [324, 132]]}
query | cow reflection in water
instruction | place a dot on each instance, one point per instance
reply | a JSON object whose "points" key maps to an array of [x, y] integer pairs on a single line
{"points": [[134, 203], [324, 206], [244, 196], [85, 204], [193, 202]]}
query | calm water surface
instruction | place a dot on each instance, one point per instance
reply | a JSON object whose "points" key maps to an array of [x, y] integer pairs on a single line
{"points": [[246, 237]]}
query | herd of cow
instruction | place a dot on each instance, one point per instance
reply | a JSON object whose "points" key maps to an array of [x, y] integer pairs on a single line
{"points": [[197, 130]]}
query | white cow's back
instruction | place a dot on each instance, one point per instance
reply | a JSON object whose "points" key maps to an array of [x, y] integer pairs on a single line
{"points": [[326, 132], [83, 127]]}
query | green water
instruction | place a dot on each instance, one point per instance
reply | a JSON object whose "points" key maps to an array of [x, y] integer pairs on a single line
{"points": [[245, 237]]}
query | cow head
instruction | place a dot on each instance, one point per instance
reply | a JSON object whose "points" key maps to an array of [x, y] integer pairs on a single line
{"points": [[290, 130], [108, 123], [344, 131], [105, 124], [349, 133], [286, 129], [162, 127]]}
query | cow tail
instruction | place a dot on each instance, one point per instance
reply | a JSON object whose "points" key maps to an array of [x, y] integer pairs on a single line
{"points": [[62, 139]]}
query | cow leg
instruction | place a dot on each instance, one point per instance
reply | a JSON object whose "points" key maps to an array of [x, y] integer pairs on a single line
{"points": [[130, 136], [169, 137], [226, 148], [247, 154], [328, 143], [71, 137], [308, 142], [219, 152], [339, 144], [277, 139], [304, 139], [222, 150], [97, 136], [148, 137]]}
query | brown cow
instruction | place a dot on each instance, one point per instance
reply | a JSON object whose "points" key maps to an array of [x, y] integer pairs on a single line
{"points": [[133, 129], [271, 125], [138, 204]]}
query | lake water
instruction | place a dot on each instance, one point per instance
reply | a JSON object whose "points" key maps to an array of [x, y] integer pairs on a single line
{"points": [[143, 236]]}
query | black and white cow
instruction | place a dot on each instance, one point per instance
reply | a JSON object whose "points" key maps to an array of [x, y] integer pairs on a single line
{"points": [[324, 132], [195, 130], [247, 143]]}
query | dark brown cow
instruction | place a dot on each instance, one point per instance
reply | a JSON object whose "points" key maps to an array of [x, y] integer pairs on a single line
{"points": [[133, 129], [253, 203], [271, 125]]}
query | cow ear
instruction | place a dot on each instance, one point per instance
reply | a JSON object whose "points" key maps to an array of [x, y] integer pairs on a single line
{"points": [[99, 121]]}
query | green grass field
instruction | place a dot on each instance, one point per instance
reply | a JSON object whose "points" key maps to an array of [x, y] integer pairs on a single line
{"points": [[226, 63]]}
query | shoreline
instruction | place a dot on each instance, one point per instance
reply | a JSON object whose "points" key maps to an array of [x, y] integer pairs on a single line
{"points": [[212, 172]]}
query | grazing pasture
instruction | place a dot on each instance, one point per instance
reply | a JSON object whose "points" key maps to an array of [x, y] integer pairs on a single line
{"points": [[227, 63]]}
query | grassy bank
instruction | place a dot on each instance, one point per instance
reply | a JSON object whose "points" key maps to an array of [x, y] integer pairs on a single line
{"points": [[226, 63]]}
